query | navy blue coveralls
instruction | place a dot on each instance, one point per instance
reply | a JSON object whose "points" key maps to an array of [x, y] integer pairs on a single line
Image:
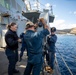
{"points": [[51, 51], [21, 35], [33, 41], [11, 50]]}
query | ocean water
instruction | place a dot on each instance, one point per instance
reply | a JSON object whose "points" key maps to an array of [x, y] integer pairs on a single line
{"points": [[66, 45]]}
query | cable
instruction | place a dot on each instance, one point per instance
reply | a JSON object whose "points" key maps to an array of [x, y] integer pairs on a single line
{"points": [[65, 62]]}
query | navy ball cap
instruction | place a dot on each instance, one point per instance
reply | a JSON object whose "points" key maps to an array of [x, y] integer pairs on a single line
{"points": [[53, 29]]}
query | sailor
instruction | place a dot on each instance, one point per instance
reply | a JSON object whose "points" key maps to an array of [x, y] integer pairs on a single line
{"points": [[23, 45], [33, 41], [22, 34], [51, 40], [11, 51]]}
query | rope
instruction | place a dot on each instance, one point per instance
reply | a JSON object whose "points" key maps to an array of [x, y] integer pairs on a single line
{"points": [[65, 63]]}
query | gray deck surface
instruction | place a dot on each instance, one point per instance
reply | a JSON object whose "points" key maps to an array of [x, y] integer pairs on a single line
{"points": [[20, 65]]}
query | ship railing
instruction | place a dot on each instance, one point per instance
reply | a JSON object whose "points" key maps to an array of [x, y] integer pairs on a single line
{"points": [[64, 62]]}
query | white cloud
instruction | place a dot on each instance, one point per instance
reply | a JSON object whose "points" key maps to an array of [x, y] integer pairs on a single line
{"points": [[60, 24], [54, 5], [47, 5], [71, 25], [56, 16], [74, 12], [36, 4]]}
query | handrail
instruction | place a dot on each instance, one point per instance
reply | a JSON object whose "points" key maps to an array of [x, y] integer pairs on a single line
{"points": [[65, 62]]}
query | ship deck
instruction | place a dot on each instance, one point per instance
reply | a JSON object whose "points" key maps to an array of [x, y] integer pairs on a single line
{"points": [[20, 65]]}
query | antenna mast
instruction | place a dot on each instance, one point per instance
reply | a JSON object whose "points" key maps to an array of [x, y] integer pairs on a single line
{"points": [[51, 9]]}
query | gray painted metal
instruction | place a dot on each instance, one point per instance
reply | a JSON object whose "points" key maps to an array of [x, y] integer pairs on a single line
{"points": [[32, 16]]}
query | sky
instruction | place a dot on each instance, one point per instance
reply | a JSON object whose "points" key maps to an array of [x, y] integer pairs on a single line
{"points": [[64, 11]]}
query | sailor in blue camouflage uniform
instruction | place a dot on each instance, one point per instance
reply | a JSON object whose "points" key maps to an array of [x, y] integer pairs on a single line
{"points": [[11, 51], [51, 40], [33, 42]]}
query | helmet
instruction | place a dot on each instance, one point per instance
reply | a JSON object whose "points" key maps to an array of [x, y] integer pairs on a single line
{"points": [[53, 29]]}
